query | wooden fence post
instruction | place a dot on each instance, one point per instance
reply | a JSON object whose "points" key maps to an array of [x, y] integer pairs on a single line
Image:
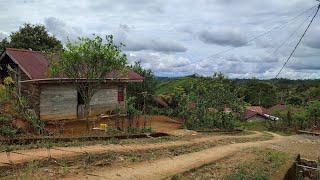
{"points": [[318, 169]]}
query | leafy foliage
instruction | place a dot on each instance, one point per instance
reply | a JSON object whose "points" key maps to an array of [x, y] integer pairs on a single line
{"points": [[131, 111], [31, 36], [88, 62], [294, 100], [313, 113], [211, 95], [146, 88], [260, 93], [15, 106]]}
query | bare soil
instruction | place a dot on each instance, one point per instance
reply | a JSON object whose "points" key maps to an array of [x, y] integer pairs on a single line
{"points": [[167, 167], [22, 156], [78, 128]]}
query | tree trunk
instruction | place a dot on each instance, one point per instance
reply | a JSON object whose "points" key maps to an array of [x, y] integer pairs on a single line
{"points": [[86, 114]]}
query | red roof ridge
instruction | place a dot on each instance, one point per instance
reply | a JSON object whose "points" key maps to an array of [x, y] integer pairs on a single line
{"points": [[24, 50]]}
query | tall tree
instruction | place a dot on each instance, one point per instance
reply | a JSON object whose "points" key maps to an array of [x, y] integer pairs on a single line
{"points": [[88, 62], [143, 92], [261, 93], [32, 36]]}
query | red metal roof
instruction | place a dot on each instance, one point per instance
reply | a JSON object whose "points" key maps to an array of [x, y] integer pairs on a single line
{"points": [[35, 65], [257, 109], [254, 110]]}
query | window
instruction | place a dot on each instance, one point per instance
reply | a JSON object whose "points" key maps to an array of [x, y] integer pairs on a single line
{"points": [[120, 94]]}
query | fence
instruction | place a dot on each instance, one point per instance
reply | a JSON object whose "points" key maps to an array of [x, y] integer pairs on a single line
{"points": [[307, 169]]}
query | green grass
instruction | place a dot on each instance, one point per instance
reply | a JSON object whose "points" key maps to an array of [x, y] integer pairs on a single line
{"points": [[260, 165], [266, 163], [255, 125], [262, 126]]}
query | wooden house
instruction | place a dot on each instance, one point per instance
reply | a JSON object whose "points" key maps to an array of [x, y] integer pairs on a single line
{"points": [[57, 98]]}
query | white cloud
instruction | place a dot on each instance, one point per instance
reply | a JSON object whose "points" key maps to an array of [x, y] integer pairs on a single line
{"points": [[162, 63], [172, 36]]}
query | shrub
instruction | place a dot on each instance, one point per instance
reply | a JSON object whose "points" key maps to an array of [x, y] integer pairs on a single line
{"points": [[7, 131]]}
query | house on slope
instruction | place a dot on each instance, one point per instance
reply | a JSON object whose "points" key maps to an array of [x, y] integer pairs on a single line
{"points": [[57, 98], [258, 113], [255, 113]]}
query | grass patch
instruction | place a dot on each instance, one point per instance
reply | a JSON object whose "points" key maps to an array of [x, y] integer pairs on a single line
{"points": [[254, 126], [266, 163], [256, 164]]}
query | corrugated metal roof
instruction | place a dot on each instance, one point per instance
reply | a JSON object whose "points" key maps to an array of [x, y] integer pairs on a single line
{"points": [[35, 65], [254, 110]]}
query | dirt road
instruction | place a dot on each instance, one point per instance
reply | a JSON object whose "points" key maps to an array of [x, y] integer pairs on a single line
{"points": [[23, 156], [165, 168]]}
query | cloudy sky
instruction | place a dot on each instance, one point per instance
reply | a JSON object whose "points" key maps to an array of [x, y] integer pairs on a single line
{"points": [[182, 37]]}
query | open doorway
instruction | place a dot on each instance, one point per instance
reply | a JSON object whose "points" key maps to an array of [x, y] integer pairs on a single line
{"points": [[80, 106]]}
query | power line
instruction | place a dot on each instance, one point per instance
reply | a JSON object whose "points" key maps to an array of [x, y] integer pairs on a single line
{"points": [[263, 34], [290, 36], [295, 48]]}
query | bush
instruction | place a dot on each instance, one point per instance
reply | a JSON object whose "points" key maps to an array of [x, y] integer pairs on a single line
{"points": [[221, 120], [7, 131], [18, 108]]}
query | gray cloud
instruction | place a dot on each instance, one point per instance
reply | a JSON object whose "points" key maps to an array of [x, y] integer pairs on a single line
{"points": [[158, 32], [223, 37], [154, 45], [313, 38], [61, 30], [141, 43]]}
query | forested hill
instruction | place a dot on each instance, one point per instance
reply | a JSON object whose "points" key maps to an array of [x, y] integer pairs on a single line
{"points": [[256, 92]]}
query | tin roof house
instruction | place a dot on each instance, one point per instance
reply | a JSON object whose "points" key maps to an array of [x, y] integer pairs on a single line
{"points": [[57, 98]]}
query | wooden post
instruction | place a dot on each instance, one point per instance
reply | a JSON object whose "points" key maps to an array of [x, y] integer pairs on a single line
{"points": [[318, 169]]}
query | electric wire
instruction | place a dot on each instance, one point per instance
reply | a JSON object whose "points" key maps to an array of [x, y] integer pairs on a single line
{"points": [[264, 33], [296, 46]]}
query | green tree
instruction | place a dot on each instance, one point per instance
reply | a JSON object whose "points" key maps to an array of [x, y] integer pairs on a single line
{"points": [[88, 62], [313, 111], [294, 100], [132, 112], [143, 92], [3, 44], [32, 36], [313, 93], [261, 93]]}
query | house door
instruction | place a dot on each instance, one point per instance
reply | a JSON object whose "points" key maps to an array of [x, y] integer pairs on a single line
{"points": [[80, 108]]}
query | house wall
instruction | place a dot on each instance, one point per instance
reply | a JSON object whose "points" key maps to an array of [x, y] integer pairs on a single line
{"points": [[104, 100], [58, 102]]}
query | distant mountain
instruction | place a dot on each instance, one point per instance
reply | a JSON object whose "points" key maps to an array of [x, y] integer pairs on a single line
{"points": [[167, 84]]}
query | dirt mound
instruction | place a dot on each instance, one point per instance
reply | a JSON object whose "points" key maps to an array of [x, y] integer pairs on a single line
{"points": [[164, 123]]}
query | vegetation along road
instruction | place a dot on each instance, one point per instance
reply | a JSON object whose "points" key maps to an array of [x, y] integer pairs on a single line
{"points": [[167, 167]]}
